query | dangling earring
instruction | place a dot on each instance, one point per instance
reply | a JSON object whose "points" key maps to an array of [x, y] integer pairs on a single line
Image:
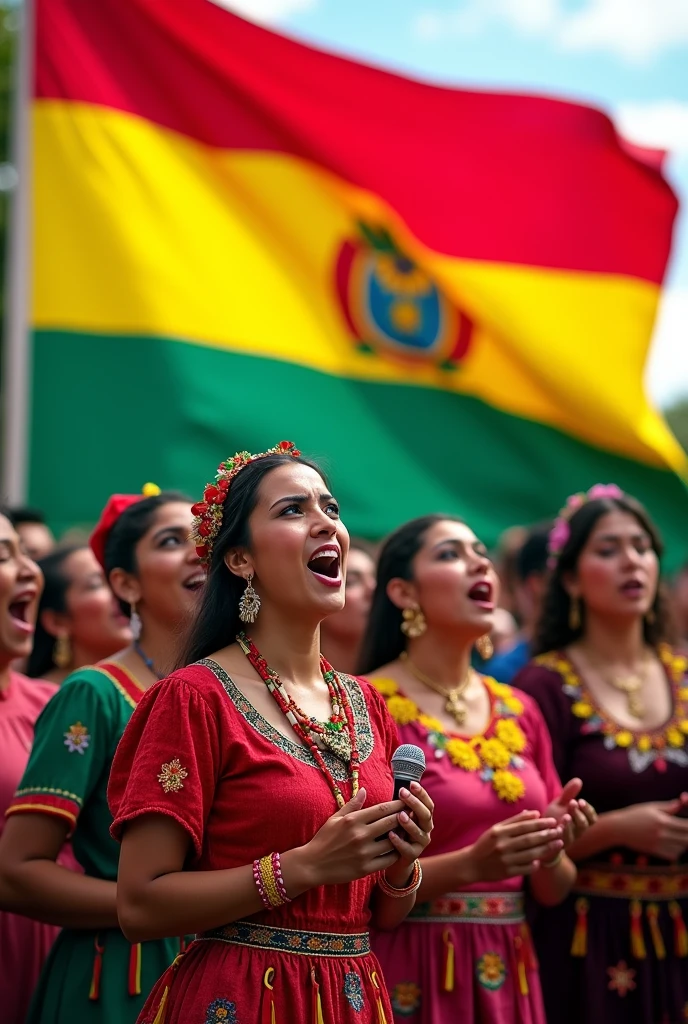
{"points": [[135, 622], [249, 605], [485, 647], [575, 614], [414, 624], [62, 652]]}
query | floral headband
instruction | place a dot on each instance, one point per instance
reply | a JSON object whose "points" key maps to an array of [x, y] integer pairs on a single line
{"points": [[208, 513], [561, 531]]}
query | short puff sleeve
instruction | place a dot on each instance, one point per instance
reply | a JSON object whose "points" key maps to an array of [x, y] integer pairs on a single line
{"points": [[73, 737], [168, 760], [540, 745]]}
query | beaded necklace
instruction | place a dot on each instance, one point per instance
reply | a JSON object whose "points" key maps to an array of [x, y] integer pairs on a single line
{"points": [[338, 733], [148, 662]]}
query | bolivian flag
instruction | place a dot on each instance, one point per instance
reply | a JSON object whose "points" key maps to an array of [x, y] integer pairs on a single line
{"points": [[449, 295]]}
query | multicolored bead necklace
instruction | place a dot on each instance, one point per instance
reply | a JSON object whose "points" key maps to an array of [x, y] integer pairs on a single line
{"points": [[338, 733]]}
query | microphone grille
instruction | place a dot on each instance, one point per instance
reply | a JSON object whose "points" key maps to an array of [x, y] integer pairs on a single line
{"points": [[408, 760]]}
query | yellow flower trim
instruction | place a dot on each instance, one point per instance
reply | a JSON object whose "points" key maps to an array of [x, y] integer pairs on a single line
{"points": [[672, 735], [511, 735], [402, 710], [514, 705], [463, 755], [494, 754], [387, 687], [430, 723], [508, 786]]}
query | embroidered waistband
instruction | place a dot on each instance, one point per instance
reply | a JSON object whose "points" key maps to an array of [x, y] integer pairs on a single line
{"points": [[632, 883], [472, 907], [291, 940]]}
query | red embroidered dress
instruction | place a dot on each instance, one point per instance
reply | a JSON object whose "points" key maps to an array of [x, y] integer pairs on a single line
{"points": [[466, 957], [197, 750]]}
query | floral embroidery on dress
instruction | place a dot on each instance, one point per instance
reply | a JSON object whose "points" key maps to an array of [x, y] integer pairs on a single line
{"points": [[405, 998], [172, 776], [622, 978], [337, 768], [645, 747], [493, 756], [491, 971], [353, 990], [221, 1011], [77, 739]]}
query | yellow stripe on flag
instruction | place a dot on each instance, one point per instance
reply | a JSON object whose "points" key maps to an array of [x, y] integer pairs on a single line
{"points": [[162, 235]]}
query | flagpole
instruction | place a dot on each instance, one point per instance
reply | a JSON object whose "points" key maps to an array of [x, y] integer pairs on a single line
{"points": [[16, 372]]}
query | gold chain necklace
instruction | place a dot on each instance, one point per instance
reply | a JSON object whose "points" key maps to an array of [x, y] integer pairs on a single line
{"points": [[629, 684], [455, 704]]}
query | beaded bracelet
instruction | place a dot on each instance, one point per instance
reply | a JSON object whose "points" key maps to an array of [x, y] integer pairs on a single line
{"points": [[413, 886], [259, 885], [277, 870], [267, 874]]}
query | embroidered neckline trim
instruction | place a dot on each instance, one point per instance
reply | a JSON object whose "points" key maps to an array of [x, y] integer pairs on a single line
{"points": [[338, 769], [644, 746], [493, 752]]}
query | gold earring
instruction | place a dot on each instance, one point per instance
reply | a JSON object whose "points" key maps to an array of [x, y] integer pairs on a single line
{"points": [[62, 652], [249, 605], [575, 614], [485, 647], [414, 624]]}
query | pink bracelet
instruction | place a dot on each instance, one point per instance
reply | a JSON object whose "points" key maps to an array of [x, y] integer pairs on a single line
{"points": [[277, 869], [264, 898]]}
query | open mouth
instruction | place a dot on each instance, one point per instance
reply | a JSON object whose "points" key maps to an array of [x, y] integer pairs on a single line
{"points": [[325, 564], [19, 613], [633, 588], [194, 582], [481, 593]]}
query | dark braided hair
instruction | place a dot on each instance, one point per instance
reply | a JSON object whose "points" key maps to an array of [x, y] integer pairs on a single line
{"points": [[553, 631]]}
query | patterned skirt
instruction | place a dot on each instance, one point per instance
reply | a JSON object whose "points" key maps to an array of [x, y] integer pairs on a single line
{"points": [[247, 973], [464, 957], [617, 949]]}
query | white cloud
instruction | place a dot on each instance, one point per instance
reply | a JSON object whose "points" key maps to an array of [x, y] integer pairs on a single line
{"points": [[667, 371], [637, 31], [266, 11], [662, 124]]}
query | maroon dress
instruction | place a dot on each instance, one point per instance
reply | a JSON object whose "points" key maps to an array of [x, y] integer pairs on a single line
{"points": [[196, 750], [617, 948]]}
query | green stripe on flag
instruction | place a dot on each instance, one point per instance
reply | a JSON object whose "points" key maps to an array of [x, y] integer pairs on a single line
{"points": [[110, 413]]}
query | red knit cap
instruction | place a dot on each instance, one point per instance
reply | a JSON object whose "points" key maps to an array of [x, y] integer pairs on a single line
{"points": [[116, 505]]}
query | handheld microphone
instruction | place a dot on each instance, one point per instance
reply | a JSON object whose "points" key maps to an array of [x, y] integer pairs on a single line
{"points": [[408, 765]]}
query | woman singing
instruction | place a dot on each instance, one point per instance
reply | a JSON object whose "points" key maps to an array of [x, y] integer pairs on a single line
{"points": [[251, 791], [615, 698], [94, 975], [502, 816]]}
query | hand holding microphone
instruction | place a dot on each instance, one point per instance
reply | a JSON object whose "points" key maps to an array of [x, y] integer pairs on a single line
{"points": [[415, 821]]}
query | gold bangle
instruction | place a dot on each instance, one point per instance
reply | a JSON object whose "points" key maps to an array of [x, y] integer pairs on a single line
{"points": [[413, 886], [267, 873], [554, 863]]}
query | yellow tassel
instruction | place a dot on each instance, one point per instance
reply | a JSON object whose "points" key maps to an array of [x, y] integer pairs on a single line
{"points": [[680, 932], [269, 1016], [657, 938], [317, 1002], [448, 961], [522, 976], [381, 1018], [579, 944], [162, 1007], [637, 938]]}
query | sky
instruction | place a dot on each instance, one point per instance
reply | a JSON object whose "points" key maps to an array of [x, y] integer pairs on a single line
{"points": [[629, 57]]}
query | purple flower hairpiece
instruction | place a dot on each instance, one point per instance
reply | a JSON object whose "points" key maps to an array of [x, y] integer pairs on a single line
{"points": [[561, 531]]}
